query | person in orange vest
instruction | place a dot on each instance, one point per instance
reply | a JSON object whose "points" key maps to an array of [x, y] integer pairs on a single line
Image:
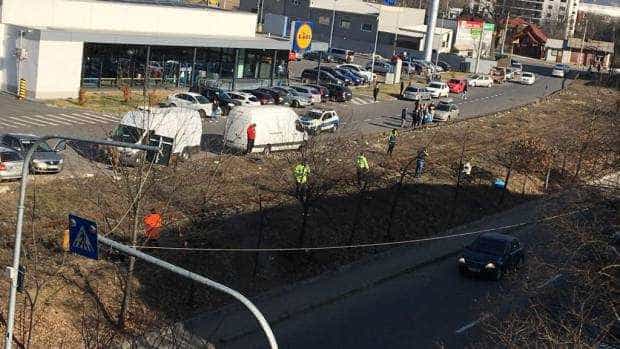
{"points": [[152, 226]]}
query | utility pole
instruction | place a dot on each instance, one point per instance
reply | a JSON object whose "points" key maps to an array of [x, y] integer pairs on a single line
{"points": [[331, 32], [583, 42], [479, 48], [430, 30], [396, 32], [441, 34], [505, 32]]}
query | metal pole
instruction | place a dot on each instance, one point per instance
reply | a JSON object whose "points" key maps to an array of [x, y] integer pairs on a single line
{"points": [[198, 278], [583, 41], [374, 50], [441, 34], [147, 71], [505, 32], [19, 61], [479, 48], [331, 32], [20, 218], [430, 30], [396, 32]]}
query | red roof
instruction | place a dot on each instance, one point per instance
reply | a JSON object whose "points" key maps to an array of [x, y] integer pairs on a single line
{"points": [[516, 22], [538, 34]]}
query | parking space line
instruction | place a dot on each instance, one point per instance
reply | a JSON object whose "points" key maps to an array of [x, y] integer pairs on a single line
{"points": [[58, 119], [24, 121], [77, 120], [89, 117], [14, 124], [38, 118], [102, 116]]}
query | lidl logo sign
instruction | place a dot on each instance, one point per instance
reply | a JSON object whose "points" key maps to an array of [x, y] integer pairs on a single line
{"points": [[301, 36]]}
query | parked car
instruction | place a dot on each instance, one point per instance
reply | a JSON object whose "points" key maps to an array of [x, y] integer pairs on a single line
{"points": [[356, 74], [44, 160], [11, 163], [316, 55], [491, 254], [276, 129], [408, 67], [446, 110], [528, 78], [296, 100], [339, 93], [341, 55], [263, 97], [358, 69], [480, 80], [457, 85], [243, 98], [224, 98], [438, 89], [278, 97], [193, 101], [311, 75], [311, 93], [338, 75], [414, 93], [319, 120], [322, 90], [355, 79], [516, 65], [380, 67], [444, 65], [510, 72], [559, 70]]}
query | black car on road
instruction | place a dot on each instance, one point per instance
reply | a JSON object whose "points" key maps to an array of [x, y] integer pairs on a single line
{"points": [[339, 93], [491, 254], [310, 75]]}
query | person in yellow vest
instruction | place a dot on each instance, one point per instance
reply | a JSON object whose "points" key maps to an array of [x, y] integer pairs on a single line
{"points": [[361, 163], [300, 173]]}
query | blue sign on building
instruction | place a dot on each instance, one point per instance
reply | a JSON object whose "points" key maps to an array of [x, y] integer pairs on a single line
{"points": [[83, 237], [389, 2], [301, 36]]}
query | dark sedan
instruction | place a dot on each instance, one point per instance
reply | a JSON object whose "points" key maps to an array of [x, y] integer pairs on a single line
{"points": [[338, 75], [316, 55], [226, 102], [44, 159], [339, 93], [491, 254], [278, 97], [263, 97]]}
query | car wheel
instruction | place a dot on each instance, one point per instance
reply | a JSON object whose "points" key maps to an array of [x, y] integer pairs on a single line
{"points": [[267, 150], [203, 114]]}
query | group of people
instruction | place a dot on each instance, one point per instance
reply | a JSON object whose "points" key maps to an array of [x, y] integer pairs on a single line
{"points": [[420, 115]]}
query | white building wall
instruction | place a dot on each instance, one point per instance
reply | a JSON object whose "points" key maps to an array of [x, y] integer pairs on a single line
{"points": [[59, 69], [9, 67], [117, 16]]}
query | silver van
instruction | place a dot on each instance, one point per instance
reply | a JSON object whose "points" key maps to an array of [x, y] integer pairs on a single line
{"points": [[341, 55]]}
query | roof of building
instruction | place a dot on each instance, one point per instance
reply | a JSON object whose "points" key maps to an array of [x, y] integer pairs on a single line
{"points": [[555, 44], [351, 6], [133, 38], [419, 30], [592, 45], [599, 9], [534, 32]]}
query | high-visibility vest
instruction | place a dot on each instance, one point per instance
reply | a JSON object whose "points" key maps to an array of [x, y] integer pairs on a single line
{"points": [[152, 225], [392, 137], [301, 172], [361, 162]]}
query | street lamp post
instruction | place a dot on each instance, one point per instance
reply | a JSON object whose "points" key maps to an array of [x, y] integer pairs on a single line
{"points": [[10, 322], [374, 50], [331, 32]]}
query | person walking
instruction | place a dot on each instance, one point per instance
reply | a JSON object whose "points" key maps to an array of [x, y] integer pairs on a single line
{"points": [[420, 162], [414, 117], [251, 138], [375, 92], [301, 173], [465, 87], [361, 164], [215, 110], [402, 87], [392, 141], [403, 117], [153, 223]]}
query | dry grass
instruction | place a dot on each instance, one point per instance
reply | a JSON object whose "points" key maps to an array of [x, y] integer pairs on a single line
{"points": [[111, 101]]}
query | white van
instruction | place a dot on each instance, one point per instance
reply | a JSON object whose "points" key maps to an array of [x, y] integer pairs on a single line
{"points": [[178, 131], [276, 128]]}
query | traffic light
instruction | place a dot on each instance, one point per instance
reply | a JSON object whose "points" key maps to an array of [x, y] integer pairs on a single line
{"points": [[21, 275]]}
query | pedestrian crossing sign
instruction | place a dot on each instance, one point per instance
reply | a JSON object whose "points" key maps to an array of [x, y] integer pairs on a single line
{"points": [[83, 237]]}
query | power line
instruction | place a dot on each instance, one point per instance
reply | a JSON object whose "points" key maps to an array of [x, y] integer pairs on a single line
{"points": [[377, 244]]}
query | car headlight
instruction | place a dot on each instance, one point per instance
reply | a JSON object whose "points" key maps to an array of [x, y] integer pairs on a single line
{"points": [[490, 266], [37, 161], [462, 260]]}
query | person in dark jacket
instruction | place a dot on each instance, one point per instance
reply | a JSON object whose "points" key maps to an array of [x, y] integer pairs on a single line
{"points": [[403, 117], [420, 162], [375, 92]]}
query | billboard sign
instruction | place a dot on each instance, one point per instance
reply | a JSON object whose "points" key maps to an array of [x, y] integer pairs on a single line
{"points": [[301, 36], [468, 36]]}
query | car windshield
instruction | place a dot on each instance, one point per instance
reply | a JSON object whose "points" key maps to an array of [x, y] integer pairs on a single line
{"points": [[412, 89], [434, 85], [454, 81], [475, 77], [559, 66], [253, 99], [528, 75], [314, 115], [443, 106], [10, 156], [489, 246], [201, 99], [127, 134], [27, 143]]}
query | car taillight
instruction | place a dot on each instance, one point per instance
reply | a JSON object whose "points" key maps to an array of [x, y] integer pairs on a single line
{"points": [[2, 167]]}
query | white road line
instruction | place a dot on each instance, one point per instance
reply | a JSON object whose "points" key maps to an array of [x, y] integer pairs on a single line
{"points": [[14, 123], [99, 117], [38, 118], [59, 119], [77, 120], [103, 116], [551, 280], [470, 325], [22, 121], [88, 117]]}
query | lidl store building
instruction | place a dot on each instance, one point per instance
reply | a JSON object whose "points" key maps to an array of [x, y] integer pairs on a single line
{"points": [[60, 46]]}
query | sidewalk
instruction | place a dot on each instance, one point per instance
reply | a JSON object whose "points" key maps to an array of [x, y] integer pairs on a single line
{"points": [[235, 321]]}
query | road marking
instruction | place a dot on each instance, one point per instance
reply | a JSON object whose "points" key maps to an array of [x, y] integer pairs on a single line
{"points": [[103, 116], [88, 117], [58, 119], [7, 122], [470, 325], [551, 280], [38, 118], [22, 121], [77, 120]]}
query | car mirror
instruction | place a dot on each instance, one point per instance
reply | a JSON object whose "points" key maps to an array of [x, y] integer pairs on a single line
{"points": [[60, 146]]}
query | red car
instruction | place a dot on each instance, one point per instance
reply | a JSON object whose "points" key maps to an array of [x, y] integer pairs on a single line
{"points": [[457, 85]]}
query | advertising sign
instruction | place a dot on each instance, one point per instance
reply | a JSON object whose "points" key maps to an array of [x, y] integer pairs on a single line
{"points": [[301, 36], [468, 36]]}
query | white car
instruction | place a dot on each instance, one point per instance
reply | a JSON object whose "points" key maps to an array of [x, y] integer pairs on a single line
{"points": [[358, 69], [318, 120], [528, 78], [480, 80], [559, 70], [244, 98], [308, 92], [438, 89], [193, 101]]}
